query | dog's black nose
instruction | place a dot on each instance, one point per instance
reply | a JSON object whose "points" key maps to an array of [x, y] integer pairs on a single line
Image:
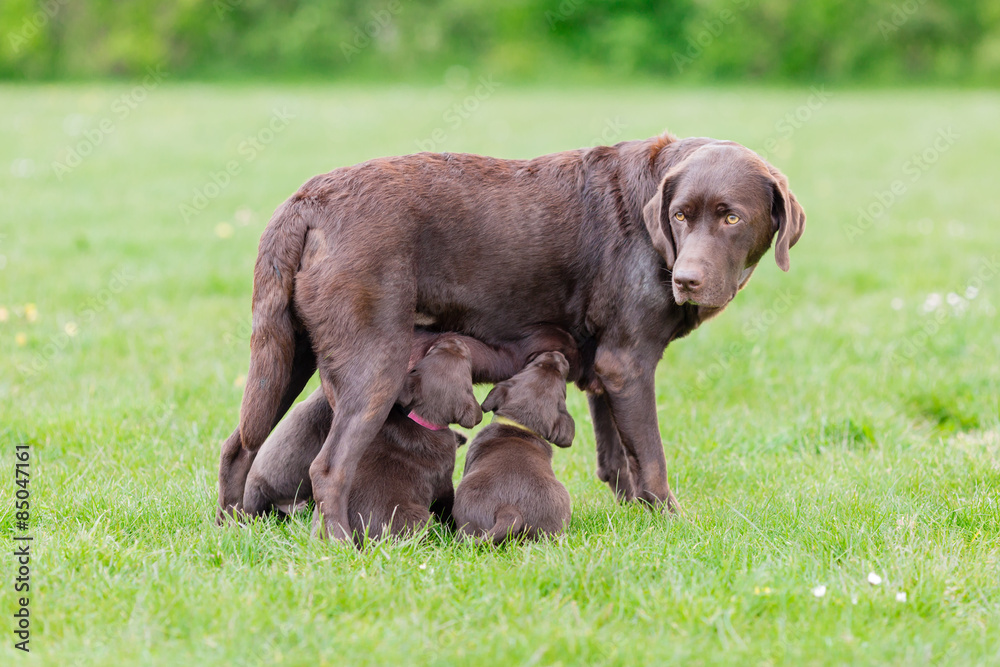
{"points": [[687, 280]]}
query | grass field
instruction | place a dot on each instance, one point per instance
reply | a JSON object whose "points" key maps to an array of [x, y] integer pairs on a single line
{"points": [[836, 421]]}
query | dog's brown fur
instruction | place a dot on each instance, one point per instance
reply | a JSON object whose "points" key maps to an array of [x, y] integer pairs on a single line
{"points": [[585, 240], [392, 485], [508, 488], [404, 471]]}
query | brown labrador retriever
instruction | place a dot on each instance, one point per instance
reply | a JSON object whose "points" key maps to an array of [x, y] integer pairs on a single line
{"points": [[627, 247], [406, 470], [508, 488]]}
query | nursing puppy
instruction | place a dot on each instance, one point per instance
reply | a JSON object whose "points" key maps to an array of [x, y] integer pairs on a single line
{"points": [[405, 471], [508, 488]]}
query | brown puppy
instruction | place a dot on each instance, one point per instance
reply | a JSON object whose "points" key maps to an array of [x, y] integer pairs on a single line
{"points": [[406, 469], [627, 247], [508, 488]]}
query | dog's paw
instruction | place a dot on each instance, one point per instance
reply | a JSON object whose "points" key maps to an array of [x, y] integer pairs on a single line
{"points": [[228, 514], [621, 482]]}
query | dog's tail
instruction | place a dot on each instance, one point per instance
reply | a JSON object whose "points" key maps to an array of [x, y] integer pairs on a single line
{"points": [[509, 523], [273, 339]]}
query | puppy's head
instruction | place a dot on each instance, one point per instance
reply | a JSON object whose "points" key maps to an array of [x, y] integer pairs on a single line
{"points": [[715, 214], [439, 388], [536, 398]]}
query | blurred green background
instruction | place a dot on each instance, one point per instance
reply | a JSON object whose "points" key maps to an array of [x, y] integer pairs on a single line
{"points": [[687, 40]]}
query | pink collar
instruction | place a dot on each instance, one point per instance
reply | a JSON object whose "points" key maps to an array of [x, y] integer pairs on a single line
{"points": [[426, 424]]}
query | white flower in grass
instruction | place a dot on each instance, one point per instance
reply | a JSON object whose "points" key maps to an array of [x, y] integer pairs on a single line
{"points": [[971, 291], [854, 599], [819, 591], [897, 303], [901, 596], [932, 303], [243, 216], [874, 579]]}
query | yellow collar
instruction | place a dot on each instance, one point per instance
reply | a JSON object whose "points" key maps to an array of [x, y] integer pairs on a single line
{"points": [[507, 421]]}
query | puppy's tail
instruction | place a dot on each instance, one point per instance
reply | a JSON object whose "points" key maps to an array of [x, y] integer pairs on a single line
{"points": [[509, 523], [273, 339]]}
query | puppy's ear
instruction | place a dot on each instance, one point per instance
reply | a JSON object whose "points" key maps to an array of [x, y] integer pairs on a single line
{"points": [[471, 415], [411, 387], [656, 214], [496, 398], [788, 216], [565, 429]]}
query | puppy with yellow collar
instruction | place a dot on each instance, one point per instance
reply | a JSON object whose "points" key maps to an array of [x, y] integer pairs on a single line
{"points": [[508, 488]]}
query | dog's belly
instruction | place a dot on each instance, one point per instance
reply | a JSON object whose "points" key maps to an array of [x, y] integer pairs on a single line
{"points": [[498, 311]]}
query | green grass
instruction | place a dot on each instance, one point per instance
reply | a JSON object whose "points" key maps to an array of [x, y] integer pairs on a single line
{"points": [[824, 427]]}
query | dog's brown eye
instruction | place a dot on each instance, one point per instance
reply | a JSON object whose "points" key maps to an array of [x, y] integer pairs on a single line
{"points": [[679, 217], [732, 218]]}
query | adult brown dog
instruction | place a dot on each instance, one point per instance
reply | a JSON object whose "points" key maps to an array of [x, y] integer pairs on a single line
{"points": [[627, 247], [508, 488]]}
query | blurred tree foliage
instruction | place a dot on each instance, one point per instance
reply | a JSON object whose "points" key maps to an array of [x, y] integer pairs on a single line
{"points": [[856, 40]]}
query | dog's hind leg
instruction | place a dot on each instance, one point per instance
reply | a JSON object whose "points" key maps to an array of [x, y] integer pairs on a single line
{"points": [[364, 390], [362, 327]]}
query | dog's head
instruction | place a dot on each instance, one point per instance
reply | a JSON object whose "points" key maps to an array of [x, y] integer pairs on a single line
{"points": [[536, 398], [439, 388], [714, 215]]}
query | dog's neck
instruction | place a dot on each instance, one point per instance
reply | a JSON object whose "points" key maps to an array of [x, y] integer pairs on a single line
{"points": [[426, 424], [507, 421]]}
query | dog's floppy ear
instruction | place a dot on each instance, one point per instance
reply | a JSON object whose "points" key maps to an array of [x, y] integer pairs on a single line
{"points": [[565, 429], [789, 218], [411, 386], [654, 213], [496, 398], [472, 414]]}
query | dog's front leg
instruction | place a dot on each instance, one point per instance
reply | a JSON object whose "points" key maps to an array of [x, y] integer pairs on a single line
{"points": [[612, 462], [630, 391]]}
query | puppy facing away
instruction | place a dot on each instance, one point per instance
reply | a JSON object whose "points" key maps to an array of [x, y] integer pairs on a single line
{"points": [[405, 471], [508, 488]]}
